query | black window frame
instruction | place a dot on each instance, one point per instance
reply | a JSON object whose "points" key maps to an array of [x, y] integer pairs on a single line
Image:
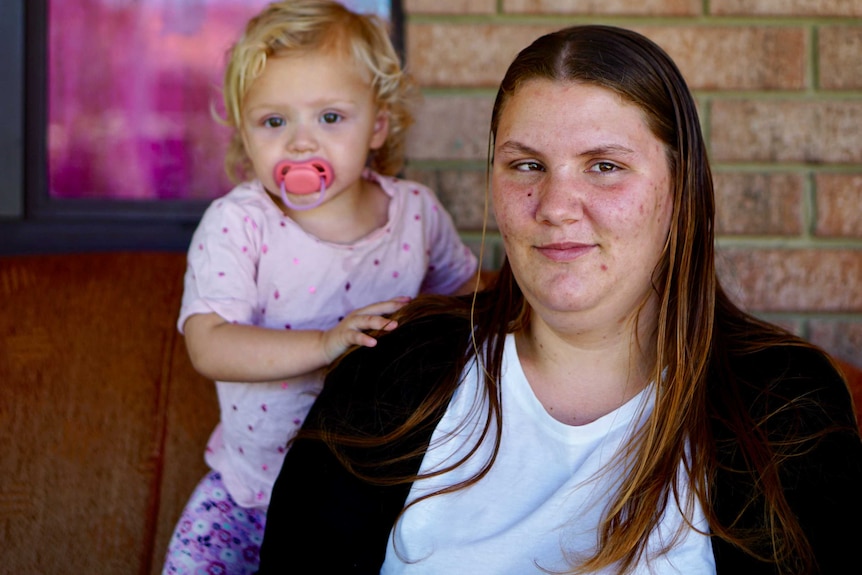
{"points": [[30, 220]]}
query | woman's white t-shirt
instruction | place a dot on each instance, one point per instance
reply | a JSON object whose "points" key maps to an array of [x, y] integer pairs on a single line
{"points": [[539, 506]]}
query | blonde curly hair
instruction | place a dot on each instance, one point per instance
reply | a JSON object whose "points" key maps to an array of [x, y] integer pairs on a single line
{"points": [[299, 26]]}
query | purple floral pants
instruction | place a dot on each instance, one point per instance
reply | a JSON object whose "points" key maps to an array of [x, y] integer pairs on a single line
{"points": [[214, 535]]}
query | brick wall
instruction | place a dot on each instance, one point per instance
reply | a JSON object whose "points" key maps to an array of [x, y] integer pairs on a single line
{"points": [[779, 86]]}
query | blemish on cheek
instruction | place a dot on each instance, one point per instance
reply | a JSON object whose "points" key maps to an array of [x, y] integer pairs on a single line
{"points": [[604, 268]]}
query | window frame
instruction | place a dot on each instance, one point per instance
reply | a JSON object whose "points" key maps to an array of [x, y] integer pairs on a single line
{"points": [[33, 222]]}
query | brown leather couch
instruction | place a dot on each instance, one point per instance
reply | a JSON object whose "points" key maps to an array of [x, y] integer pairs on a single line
{"points": [[103, 421]]}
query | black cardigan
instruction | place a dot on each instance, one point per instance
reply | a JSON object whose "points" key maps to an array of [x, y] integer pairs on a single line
{"points": [[322, 519]]}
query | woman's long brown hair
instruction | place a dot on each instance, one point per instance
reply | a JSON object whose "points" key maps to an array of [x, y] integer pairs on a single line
{"points": [[699, 329]]}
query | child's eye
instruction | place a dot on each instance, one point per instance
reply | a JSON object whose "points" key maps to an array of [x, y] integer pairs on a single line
{"points": [[331, 118], [273, 122]]}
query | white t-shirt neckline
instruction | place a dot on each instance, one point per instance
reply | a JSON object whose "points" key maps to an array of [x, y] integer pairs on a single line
{"points": [[540, 502]]}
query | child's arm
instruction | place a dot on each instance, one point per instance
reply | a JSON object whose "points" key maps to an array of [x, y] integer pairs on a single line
{"points": [[226, 351]]}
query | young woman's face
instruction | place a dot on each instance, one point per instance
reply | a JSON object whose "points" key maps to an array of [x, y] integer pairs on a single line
{"points": [[312, 105], [582, 196]]}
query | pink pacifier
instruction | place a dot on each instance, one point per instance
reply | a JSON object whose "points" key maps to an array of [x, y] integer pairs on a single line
{"points": [[303, 178]]}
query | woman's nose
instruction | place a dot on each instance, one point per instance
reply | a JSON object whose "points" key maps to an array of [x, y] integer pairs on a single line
{"points": [[560, 199]]}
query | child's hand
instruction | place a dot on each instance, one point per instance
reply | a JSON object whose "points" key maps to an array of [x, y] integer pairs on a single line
{"points": [[351, 330]]}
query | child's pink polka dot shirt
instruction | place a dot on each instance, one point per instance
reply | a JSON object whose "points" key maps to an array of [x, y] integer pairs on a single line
{"points": [[251, 264]]}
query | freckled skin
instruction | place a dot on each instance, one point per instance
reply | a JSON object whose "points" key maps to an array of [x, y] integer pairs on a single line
{"points": [[582, 198]]}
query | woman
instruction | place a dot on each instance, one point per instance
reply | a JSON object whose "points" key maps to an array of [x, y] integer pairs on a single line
{"points": [[604, 407]]}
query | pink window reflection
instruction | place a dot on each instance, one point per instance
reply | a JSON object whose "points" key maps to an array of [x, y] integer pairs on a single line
{"points": [[130, 87]]}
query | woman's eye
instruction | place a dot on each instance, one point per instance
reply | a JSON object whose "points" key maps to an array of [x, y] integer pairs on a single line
{"points": [[528, 167], [273, 122], [604, 167], [330, 118]]}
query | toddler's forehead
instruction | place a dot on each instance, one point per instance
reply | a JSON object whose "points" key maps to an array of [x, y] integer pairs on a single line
{"points": [[341, 52]]}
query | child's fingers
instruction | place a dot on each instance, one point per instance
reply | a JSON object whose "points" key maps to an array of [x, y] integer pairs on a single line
{"points": [[383, 307], [362, 339], [352, 329], [356, 328], [362, 323]]}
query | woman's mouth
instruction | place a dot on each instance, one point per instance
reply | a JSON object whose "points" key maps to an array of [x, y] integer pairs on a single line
{"points": [[564, 251]]}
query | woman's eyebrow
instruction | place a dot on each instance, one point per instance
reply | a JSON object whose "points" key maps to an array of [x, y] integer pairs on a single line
{"points": [[514, 147], [608, 150]]}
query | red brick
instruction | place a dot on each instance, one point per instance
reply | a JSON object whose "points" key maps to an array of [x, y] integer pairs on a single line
{"points": [[459, 55], [786, 131], [839, 205], [449, 6], [451, 128], [840, 57], [842, 338], [473, 55], [786, 7], [771, 280], [711, 58], [461, 191], [758, 204], [593, 7]]}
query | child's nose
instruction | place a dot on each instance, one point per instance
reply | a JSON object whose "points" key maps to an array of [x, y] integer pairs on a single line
{"points": [[302, 140]]}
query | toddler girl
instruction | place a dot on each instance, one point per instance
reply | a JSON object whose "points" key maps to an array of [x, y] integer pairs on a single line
{"points": [[314, 248]]}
